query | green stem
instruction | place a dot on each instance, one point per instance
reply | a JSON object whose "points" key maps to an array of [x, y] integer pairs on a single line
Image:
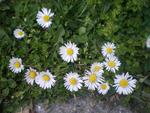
{"points": [[75, 99]]}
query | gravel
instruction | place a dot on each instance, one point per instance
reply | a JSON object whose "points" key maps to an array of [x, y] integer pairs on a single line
{"points": [[82, 105]]}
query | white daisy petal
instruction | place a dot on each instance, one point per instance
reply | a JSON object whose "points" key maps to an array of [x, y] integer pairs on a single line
{"points": [[69, 52], [19, 33], [108, 49], [97, 68], [44, 17], [72, 81], [30, 75], [45, 79], [112, 64], [148, 42], [92, 80], [124, 84], [103, 88], [15, 65]]}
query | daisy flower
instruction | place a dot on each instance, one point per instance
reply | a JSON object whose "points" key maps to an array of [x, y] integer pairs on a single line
{"points": [[92, 80], [148, 42], [97, 68], [73, 82], [19, 33], [108, 49], [103, 88], [30, 75], [44, 17], [69, 52], [112, 63], [45, 79], [124, 84], [15, 65]]}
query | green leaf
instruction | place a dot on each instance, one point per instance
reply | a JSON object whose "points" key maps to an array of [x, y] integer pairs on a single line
{"points": [[4, 7], [5, 92], [60, 32], [143, 79], [19, 93], [12, 84], [82, 30], [1, 99], [147, 65], [146, 94], [107, 5], [147, 82]]}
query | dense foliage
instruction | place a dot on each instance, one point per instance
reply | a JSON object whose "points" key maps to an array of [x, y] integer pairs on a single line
{"points": [[88, 23]]}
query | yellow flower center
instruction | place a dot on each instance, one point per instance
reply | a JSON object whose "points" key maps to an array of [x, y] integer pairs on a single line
{"points": [[69, 51], [103, 86], [17, 64], [73, 81], [111, 64], [46, 18], [109, 50], [92, 78], [32, 74], [123, 83], [97, 68], [20, 33], [46, 77]]}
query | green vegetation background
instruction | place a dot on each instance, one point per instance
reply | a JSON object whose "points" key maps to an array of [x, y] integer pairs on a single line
{"points": [[88, 23]]}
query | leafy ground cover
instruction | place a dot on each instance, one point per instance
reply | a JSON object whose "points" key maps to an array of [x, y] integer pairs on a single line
{"points": [[88, 23]]}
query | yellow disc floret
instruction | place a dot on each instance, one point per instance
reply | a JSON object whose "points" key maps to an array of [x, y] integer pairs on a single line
{"points": [[20, 33], [46, 18], [73, 81], [123, 83], [111, 64], [92, 78], [69, 51], [32, 74], [109, 50], [97, 68], [103, 86], [46, 77], [17, 64]]}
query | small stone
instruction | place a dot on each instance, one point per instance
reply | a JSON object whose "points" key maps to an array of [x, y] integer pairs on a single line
{"points": [[84, 105]]}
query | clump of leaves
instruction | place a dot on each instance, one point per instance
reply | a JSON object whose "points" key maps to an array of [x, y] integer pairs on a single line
{"points": [[88, 23]]}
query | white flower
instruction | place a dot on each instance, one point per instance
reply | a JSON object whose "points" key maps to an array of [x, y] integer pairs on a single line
{"points": [[124, 84], [44, 17], [15, 65], [69, 52], [112, 63], [30, 75], [148, 42], [73, 82], [45, 79], [97, 68], [19, 33], [92, 80], [103, 88], [108, 49]]}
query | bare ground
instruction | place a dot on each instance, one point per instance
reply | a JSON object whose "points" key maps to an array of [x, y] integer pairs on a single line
{"points": [[82, 105]]}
